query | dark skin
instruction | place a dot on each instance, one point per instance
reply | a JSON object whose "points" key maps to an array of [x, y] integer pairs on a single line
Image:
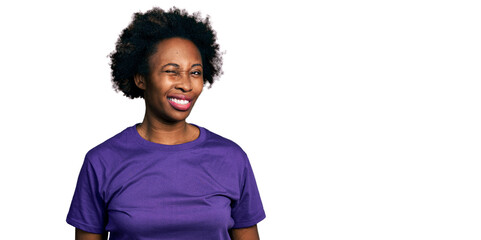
{"points": [[82, 235], [176, 72], [249, 233]]}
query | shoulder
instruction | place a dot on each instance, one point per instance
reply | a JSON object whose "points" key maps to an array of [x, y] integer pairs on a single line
{"points": [[114, 146], [216, 140], [219, 146]]}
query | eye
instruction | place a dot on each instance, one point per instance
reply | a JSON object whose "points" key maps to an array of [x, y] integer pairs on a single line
{"points": [[171, 72], [197, 73]]}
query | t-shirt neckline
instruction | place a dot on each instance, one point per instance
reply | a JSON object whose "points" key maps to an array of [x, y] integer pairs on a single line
{"points": [[157, 146]]}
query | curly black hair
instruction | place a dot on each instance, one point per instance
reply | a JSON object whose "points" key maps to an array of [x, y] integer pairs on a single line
{"points": [[139, 40]]}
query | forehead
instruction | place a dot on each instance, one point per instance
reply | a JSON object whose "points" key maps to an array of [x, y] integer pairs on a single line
{"points": [[176, 50]]}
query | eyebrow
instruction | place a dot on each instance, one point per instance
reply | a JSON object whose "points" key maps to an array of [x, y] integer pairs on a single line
{"points": [[177, 65]]}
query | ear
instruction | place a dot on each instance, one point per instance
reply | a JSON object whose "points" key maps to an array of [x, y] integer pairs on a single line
{"points": [[139, 81]]}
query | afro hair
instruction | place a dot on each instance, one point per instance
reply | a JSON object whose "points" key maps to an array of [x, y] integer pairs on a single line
{"points": [[139, 40]]}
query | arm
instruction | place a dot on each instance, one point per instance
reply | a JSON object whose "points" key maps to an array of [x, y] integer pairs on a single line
{"points": [[82, 235], [249, 233]]}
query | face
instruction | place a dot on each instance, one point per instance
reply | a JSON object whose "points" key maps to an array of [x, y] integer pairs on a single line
{"points": [[176, 80]]}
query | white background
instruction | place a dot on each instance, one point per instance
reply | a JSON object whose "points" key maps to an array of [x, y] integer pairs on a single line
{"points": [[361, 118]]}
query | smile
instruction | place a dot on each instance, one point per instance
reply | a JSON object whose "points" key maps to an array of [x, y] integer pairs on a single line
{"points": [[179, 104], [179, 101]]}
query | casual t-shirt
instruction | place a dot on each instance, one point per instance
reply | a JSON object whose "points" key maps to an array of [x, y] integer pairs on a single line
{"points": [[136, 189]]}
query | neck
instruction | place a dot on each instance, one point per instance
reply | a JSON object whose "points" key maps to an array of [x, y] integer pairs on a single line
{"points": [[167, 133]]}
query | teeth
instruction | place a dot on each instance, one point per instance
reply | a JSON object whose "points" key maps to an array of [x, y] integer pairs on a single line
{"points": [[179, 101]]}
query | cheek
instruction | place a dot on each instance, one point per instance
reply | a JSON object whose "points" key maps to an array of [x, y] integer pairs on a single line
{"points": [[199, 85], [155, 92], [160, 85]]}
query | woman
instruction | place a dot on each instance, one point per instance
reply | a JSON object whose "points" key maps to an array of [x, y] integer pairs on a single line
{"points": [[165, 178]]}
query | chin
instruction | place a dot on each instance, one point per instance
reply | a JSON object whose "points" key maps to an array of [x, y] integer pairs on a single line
{"points": [[178, 117]]}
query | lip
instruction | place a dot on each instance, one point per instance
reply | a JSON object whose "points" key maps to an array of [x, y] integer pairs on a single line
{"points": [[179, 106], [180, 96]]}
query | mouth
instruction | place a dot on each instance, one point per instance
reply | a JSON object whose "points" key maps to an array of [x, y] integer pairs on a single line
{"points": [[181, 103]]}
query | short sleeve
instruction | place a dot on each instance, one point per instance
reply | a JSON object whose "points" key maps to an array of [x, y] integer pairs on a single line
{"points": [[248, 210], [87, 210]]}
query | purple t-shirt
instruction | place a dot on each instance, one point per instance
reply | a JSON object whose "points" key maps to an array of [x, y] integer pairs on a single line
{"points": [[136, 189]]}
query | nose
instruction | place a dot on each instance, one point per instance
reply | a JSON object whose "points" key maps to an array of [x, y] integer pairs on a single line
{"points": [[184, 82]]}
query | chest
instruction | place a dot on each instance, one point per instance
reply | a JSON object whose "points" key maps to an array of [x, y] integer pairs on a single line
{"points": [[160, 197]]}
